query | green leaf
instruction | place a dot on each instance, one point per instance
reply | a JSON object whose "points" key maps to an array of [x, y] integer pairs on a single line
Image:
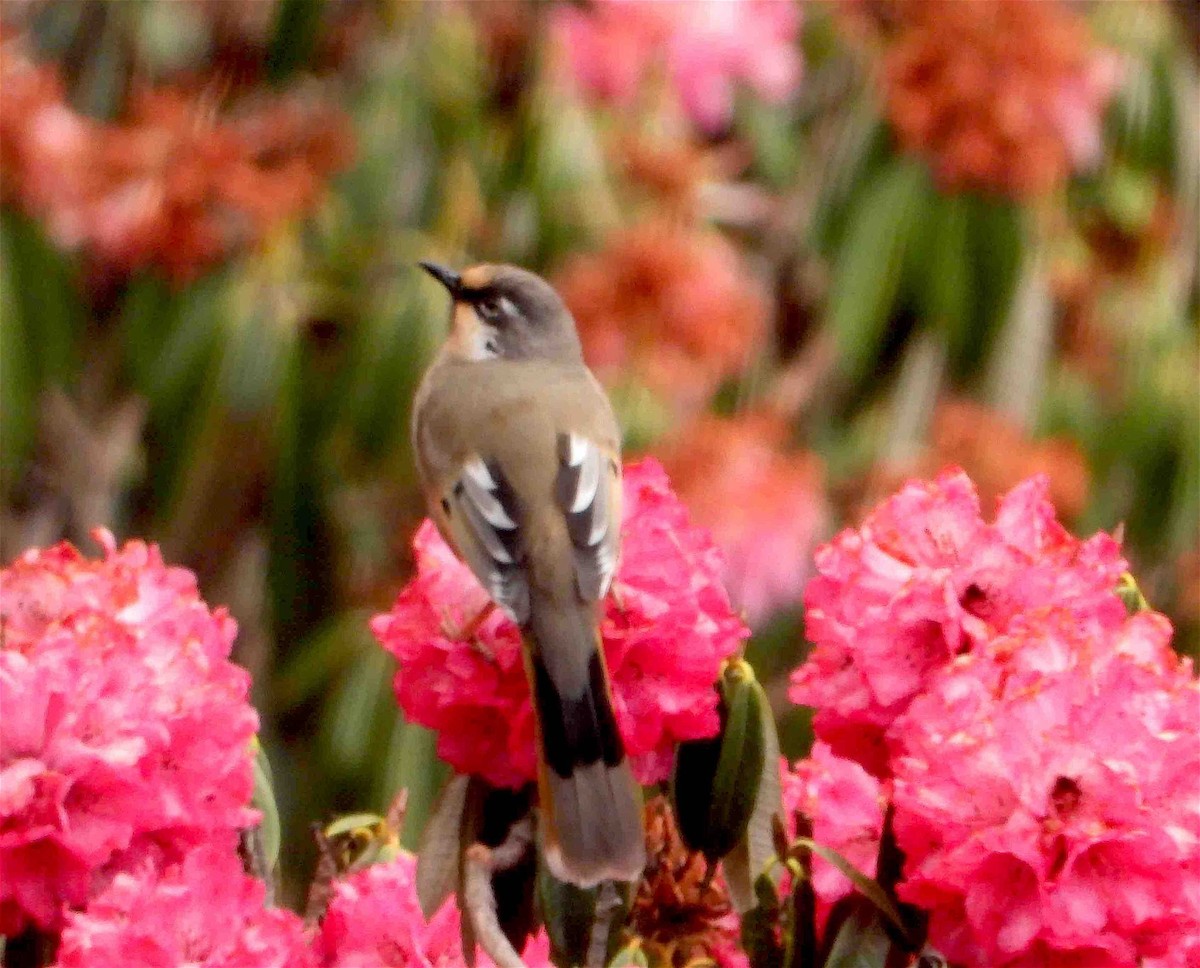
{"points": [[861, 942], [869, 264], [943, 275], [1131, 595], [631, 956], [756, 850], [352, 822], [996, 241], [18, 404], [568, 912], [149, 313], [44, 288], [294, 40], [438, 855], [715, 781], [866, 886], [759, 938], [264, 801]]}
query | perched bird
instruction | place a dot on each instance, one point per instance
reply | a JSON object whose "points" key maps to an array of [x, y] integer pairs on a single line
{"points": [[519, 457]]}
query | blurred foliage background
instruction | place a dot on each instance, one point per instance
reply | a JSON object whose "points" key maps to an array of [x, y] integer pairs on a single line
{"points": [[813, 249]]}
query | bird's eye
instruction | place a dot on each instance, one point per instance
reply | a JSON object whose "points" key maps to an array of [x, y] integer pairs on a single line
{"points": [[489, 309]]}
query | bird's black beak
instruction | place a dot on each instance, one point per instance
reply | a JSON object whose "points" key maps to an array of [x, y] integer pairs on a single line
{"points": [[447, 277]]}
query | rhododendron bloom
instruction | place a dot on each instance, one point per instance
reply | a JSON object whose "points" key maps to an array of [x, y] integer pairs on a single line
{"points": [[844, 804], [170, 185], [1046, 797], [204, 912], [926, 578], [763, 503], [125, 732], [671, 307], [374, 921], [614, 47], [1000, 96], [665, 630]]}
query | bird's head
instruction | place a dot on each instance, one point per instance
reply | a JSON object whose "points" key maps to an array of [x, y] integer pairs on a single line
{"points": [[503, 312]]}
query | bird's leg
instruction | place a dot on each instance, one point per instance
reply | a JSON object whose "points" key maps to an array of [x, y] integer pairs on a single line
{"points": [[618, 596], [472, 627], [468, 632]]}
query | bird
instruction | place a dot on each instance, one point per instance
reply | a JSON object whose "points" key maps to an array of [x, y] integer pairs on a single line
{"points": [[518, 454]]}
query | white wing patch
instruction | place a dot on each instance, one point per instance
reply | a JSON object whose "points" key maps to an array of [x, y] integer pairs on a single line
{"points": [[483, 516], [589, 493]]}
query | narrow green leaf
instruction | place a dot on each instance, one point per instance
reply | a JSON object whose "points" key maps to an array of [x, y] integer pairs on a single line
{"points": [[866, 886], [943, 279], [438, 855], [861, 942], [352, 822], [17, 382], [44, 288], [759, 936], [568, 912], [1131, 595], [868, 266], [631, 956], [294, 40], [996, 240], [716, 780], [751, 855], [264, 801]]}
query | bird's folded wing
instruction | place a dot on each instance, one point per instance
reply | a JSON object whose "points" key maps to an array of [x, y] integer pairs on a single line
{"points": [[588, 491], [481, 515]]}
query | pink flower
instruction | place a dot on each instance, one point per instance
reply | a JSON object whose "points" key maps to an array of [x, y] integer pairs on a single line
{"points": [[924, 579], [616, 46], [374, 921], [665, 631], [1046, 796], [204, 912], [845, 806], [125, 732]]}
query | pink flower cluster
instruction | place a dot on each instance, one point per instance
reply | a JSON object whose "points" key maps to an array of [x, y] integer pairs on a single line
{"points": [[1041, 747], [845, 804], [1047, 801], [614, 47], [924, 579], [126, 732], [203, 912], [666, 629], [374, 921]]}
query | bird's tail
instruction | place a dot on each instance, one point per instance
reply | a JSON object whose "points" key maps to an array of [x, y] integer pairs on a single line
{"points": [[591, 803]]}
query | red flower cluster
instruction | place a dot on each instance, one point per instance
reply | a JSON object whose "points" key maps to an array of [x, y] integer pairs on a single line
{"points": [[1046, 797], [125, 733], [763, 503], [666, 630], [374, 921], [669, 306], [204, 912], [924, 579], [1000, 95], [170, 186], [614, 47]]}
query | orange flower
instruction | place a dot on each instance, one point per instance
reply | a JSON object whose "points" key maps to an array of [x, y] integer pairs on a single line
{"points": [[668, 305], [1000, 95], [997, 454], [763, 503], [173, 185]]}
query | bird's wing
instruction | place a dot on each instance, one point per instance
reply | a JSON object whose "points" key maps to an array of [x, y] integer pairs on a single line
{"points": [[481, 515], [588, 491]]}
